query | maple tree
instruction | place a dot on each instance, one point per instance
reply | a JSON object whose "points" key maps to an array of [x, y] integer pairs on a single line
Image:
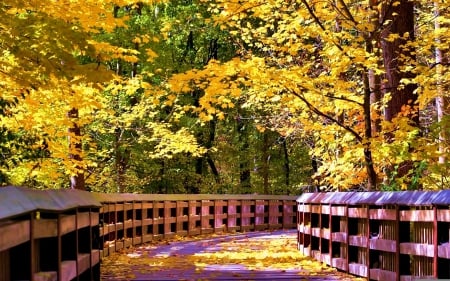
{"points": [[224, 96], [55, 65], [337, 68]]}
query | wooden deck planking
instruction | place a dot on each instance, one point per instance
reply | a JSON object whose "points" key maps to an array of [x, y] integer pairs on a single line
{"points": [[177, 263]]}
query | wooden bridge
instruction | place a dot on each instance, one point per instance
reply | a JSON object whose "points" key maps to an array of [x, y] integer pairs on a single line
{"points": [[65, 234]]}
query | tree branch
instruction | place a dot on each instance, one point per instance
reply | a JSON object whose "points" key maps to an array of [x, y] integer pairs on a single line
{"points": [[326, 116], [344, 99], [317, 20]]}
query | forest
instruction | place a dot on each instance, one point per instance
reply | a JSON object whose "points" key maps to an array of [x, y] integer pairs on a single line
{"points": [[225, 96]]}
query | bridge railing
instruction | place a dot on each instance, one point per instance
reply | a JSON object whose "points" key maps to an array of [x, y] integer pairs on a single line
{"points": [[48, 235], [63, 234], [378, 235], [130, 219]]}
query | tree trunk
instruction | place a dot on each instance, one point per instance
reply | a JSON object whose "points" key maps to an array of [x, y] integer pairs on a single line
{"points": [[372, 95], [207, 142], [368, 160], [375, 79], [209, 145], [244, 163], [121, 161], [397, 56], [287, 170], [77, 180], [441, 102], [134, 65], [398, 17], [265, 162]]}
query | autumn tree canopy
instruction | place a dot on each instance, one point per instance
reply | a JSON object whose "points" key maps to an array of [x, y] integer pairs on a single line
{"points": [[224, 96]]}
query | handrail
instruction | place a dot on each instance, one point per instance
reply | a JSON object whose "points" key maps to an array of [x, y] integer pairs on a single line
{"points": [[63, 234], [131, 219], [378, 235]]}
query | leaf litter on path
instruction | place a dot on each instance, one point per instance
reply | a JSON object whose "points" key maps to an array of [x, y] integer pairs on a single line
{"points": [[247, 256]]}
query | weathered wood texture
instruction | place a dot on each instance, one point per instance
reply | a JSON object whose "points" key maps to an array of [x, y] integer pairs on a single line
{"points": [[378, 235]]}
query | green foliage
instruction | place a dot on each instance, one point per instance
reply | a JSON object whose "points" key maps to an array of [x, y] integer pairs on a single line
{"points": [[222, 96]]}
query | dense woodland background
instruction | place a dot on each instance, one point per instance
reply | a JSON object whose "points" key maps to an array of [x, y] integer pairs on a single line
{"points": [[196, 96]]}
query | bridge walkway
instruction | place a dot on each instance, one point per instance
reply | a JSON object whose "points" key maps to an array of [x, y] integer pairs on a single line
{"points": [[241, 256]]}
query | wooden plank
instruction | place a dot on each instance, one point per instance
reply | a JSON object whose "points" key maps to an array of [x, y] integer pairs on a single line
{"points": [[316, 255], [382, 214], [147, 238], [339, 237], [307, 229], [118, 226], [288, 214], [45, 276], [357, 212], [273, 213], [325, 258], [414, 278], [383, 245], [417, 215], [417, 249], [128, 224], [83, 219], [147, 205], [218, 215], [338, 210], [127, 206], [260, 214], [325, 209], [67, 224], [5, 265], [95, 257], [137, 240], [119, 245], [45, 228], [315, 209], [68, 270], [339, 263], [357, 269], [119, 207], [83, 262], [307, 208], [443, 215], [444, 251], [381, 275], [147, 221], [301, 207], [95, 218], [180, 217], [325, 233], [14, 233], [127, 242], [205, 216], [246, 214], [167, 217], [357, 240], [315, 231]]}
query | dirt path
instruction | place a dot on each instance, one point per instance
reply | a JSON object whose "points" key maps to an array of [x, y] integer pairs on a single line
{"points": [[249, 256]]}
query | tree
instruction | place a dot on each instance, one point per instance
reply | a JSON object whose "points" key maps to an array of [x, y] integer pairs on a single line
{"points": [[294, 57], [56, 64]]}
